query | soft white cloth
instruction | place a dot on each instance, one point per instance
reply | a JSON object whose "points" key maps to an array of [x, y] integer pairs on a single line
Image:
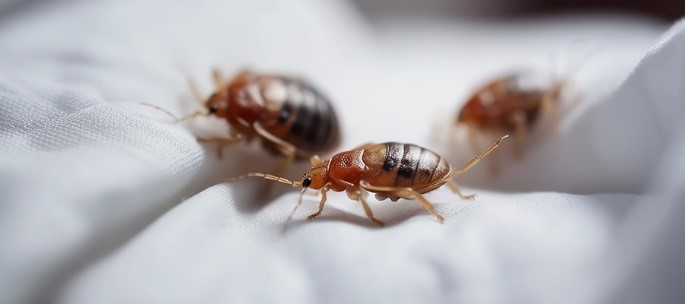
{"points": [[105, 201]]}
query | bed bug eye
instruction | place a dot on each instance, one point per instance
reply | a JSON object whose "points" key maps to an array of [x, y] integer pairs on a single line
{"points": [[212, 109], [306, 182]]}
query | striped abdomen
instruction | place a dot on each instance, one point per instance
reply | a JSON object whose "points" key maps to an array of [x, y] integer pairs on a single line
{"points": [[299, 114], [404, 165]]}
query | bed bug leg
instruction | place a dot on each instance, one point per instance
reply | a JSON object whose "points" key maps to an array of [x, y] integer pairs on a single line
{"points": [[285, 148], [369, 213], [406, 193], [322, 203], [221, 143], [453, 186], [409, 193], [549, 110], [521, 133], [289, 153], [357, 195]]}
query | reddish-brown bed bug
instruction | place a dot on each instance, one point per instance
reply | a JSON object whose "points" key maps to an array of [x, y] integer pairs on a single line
{"points": [[289, 115], [526, 104], [390, 170], [512, 104]]}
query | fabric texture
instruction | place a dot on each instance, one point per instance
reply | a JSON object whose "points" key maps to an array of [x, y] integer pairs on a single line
{"points": [[103, 200]]}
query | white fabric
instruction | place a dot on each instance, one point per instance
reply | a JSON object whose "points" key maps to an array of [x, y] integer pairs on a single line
{"points": [[105, 201]]}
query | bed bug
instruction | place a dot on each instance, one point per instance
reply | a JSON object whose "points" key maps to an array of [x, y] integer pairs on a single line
{"points": [[515, 103], [390, 170], [526, 104], [290, 116]]}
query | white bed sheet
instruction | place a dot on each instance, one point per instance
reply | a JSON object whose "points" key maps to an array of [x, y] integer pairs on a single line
{"points": [[106, 201]]}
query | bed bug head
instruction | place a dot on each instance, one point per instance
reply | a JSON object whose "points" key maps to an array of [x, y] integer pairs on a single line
{"points": [[483, 102], [217, 104], [472, 112], [241, 100], [317, 176]]}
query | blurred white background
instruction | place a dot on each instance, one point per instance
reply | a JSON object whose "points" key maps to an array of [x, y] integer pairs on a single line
{"points": [[102, 200]]}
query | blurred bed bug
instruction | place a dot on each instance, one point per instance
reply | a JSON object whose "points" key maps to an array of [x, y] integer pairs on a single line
{"points": [[289, 115], [512, 104], [525, 104], [390, 170]]}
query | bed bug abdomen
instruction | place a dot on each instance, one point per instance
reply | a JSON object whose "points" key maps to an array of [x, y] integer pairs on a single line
{"points": [[299, 114], [315, 126], [404, 165]]}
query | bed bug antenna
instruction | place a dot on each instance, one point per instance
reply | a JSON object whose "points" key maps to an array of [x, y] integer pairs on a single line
{"points": [[477, 158], [295, 184], [167, 112], [174, 117], [192, 115], [268, 177]]}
